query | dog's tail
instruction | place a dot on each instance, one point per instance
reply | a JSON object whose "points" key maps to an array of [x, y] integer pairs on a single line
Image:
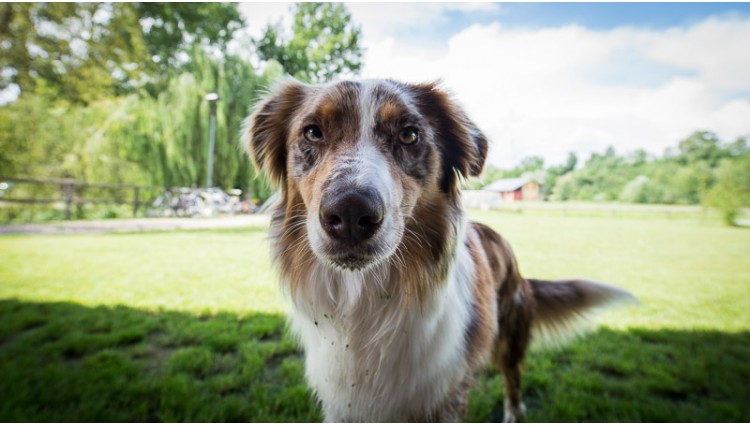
{"points": [[564, 307]]}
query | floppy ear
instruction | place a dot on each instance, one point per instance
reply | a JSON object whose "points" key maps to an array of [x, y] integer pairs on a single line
{"points": [[462, 145], [267, 129]]}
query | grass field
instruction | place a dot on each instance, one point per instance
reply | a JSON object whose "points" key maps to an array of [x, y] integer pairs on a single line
{"points": [[188, 326]]}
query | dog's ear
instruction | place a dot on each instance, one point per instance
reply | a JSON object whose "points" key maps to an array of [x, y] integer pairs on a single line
{"points": [[267, 129], [463, 146]]}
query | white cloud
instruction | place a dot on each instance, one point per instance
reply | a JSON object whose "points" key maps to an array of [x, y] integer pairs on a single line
{"points": [[533, 93], [717, 49]]}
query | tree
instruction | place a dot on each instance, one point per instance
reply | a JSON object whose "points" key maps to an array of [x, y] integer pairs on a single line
{"points": [[168, 136], [564, 188], [638, 158], [140, 140], [170, 30], [531, 163], [636, 190], [739, 147], [732, 190], [32, 137], [324, 43], [87, 51], [553, 173], [570, 163], [701, 146]]}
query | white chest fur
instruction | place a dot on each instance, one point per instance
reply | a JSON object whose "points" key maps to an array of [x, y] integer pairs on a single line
{"points": [[372, 356]]}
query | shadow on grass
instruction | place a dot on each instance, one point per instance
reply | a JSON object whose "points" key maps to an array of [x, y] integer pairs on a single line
{"points": [[66, 362], [635, 376]]}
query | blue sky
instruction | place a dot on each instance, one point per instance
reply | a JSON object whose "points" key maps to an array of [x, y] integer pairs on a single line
{"points": [[546, 79], [590, 15], [610, 15]]}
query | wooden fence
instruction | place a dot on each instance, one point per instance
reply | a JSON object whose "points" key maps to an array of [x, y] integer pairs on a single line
{"points": [[72, 192]]}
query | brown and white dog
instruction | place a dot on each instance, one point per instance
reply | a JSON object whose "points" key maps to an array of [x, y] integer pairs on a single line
{"points": [[397, 298]]}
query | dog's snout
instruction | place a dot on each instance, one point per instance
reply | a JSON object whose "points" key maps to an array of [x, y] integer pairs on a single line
{"points": [[351, 216]]}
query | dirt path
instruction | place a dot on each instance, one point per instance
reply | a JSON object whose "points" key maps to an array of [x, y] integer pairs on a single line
{"points": [[133, 225]]}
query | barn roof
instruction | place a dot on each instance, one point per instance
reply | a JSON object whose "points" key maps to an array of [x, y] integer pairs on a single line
{"points": [[507, 185]]}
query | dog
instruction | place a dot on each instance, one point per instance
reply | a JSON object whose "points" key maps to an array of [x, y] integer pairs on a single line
{"points": [[397, 299]]}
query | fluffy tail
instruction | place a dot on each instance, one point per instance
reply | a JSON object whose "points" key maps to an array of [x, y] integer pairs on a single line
{"points": [[564, 307]]}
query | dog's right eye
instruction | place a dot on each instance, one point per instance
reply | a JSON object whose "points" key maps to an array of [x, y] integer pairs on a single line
{"points": [[409, 136], [313, 133]]}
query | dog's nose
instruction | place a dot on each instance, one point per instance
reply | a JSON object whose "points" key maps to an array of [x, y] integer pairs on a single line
{"points": [[351, 216]]}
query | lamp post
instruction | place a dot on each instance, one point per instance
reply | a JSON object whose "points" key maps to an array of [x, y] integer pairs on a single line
{"points": [[212, 98]]}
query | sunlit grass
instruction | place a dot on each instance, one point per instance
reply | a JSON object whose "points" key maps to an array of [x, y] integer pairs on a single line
{"points": [[194, 272], [188, 326], [688, 274]]}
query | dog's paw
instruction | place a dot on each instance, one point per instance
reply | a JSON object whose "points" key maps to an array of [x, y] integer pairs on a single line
{"points": [[514, 414]]}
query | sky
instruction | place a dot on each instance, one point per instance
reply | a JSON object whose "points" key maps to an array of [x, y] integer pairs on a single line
{"points": [[546, 79]]}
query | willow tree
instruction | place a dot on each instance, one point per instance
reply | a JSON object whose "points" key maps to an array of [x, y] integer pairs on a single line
{"points": [[168, 136]]}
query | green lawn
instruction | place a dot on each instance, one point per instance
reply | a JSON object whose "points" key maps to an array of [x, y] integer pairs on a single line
{"points": [[188, 326]]}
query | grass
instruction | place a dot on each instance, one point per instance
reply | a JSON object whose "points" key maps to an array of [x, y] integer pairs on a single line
{"points": [[188, 326], [64, 362], [688, 274], [192, 272]]}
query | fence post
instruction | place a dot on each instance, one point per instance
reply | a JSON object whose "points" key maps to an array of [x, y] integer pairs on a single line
{"points": [[135, 201], [68, 195]]}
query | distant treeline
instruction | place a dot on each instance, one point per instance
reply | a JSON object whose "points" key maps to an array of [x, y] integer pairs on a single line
{"points": [[701, 170]]}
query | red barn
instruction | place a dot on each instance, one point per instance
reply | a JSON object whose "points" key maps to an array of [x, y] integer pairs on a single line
{"points": [[517, 189]]}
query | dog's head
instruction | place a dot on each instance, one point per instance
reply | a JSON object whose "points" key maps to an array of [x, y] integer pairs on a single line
{"points": [[356, 159]]}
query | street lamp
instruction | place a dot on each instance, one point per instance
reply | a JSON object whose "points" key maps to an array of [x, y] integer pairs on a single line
{"points": [[212, 98]]}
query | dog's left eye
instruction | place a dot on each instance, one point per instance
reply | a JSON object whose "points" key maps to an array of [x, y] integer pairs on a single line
{"points": [[409, 136], [313, 133]]}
